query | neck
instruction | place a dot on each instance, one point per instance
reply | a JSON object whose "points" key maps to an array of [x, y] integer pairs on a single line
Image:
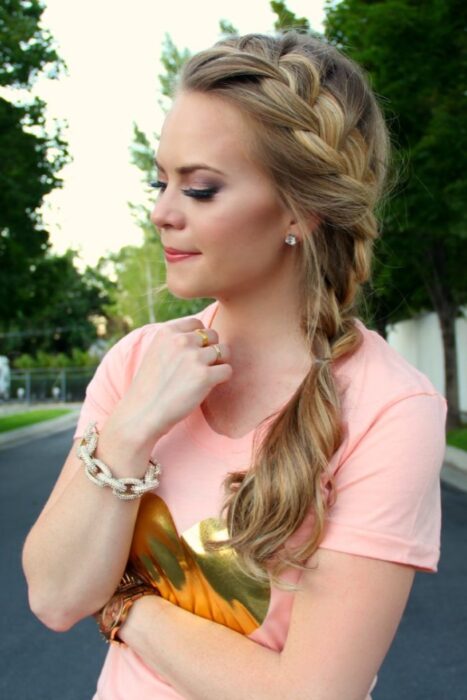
{"points": [[262, 331]]}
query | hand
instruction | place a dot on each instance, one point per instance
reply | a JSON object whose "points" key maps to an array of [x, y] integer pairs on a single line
{"points": [[175, 376]]}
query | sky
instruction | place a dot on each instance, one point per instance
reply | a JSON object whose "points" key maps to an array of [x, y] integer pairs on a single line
{"points": [[112, 52]]}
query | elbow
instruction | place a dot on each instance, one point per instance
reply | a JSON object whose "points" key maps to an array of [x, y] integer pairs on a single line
{"points": [[52, 614], [57, 609]]}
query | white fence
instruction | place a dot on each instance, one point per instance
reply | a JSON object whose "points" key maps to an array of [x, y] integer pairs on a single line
{"points": [[47, 384], [419, 341]]}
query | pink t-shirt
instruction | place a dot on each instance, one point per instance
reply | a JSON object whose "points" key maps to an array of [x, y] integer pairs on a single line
{"points": [[386, 475]]}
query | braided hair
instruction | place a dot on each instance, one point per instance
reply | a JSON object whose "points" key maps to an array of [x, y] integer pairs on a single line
{"points": [[318, 132]]}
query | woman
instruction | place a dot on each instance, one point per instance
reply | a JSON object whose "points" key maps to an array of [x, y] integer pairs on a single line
{"points": [[276, 403]]}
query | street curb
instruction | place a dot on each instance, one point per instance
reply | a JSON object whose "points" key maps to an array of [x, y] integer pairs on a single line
{"points": [[456, 457], [454, 471], [31, 432]]}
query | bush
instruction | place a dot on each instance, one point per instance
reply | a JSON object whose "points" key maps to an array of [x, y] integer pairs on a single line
{"points": [[78, 358]]}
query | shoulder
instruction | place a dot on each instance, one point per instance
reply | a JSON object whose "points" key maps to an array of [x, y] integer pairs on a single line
{"points": [[386, 470], [384, 397], [376, 377]]}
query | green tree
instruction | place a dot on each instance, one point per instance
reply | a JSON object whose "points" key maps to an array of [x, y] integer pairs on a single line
{"points": [[141, 296], [172, 60], [65, 300], [30, 158], [285, 19], [416, 54], [227, 27], [139, 273]]}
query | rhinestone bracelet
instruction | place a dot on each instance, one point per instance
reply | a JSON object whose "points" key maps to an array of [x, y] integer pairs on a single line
{"points": [[99, 473]]}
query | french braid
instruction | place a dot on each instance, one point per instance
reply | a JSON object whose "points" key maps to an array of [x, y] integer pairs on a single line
{"points": [[318, 131]]}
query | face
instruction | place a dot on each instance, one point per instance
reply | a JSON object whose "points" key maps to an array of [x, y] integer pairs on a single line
{"points": [[215, 201]]}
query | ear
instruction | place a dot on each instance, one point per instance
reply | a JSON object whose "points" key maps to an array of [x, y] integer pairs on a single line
{"points": [[312, 221]]}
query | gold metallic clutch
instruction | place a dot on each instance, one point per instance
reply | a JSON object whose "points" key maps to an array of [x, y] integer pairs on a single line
{"points": [[209, 584]]}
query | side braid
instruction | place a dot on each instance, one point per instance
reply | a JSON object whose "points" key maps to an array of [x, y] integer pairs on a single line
{"points": [[317, 130]]}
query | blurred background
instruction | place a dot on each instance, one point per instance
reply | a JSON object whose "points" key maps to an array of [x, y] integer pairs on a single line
{"points": [[84, 86], [83, 91]]}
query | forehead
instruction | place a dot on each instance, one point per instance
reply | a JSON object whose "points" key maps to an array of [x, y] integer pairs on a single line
{"points": [[205, 128]]}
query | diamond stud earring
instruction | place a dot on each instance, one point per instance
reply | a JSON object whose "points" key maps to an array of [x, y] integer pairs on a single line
{"points": [[291, 239]]}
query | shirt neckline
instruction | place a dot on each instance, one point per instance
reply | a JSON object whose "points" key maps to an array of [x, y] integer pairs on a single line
{"points": [[199, 427]]}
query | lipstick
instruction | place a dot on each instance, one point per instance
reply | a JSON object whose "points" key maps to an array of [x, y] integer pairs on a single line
{"points": [[174, 255]]}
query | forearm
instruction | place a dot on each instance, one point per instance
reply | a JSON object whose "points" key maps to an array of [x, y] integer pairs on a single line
{"points": [[201, 659], [75, 554], [73, 557]]}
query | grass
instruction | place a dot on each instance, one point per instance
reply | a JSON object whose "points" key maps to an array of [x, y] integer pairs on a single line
{"points": [[20, 420], [455, 438], [458, 438]]}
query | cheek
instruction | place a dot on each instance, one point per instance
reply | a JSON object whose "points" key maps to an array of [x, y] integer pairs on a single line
{"points": [[243, 223]]}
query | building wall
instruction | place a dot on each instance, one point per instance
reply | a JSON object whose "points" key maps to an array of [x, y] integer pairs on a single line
{"points": [[419, 341]]}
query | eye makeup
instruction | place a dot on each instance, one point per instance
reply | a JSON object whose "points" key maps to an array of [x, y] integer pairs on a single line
{"points": [[204, 193]]}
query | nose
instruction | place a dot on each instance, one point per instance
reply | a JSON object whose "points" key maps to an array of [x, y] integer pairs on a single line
{"points": [[166, 213]]}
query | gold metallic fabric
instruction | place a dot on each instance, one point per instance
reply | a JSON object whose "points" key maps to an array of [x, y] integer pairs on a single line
{"points": [[209, 584]]}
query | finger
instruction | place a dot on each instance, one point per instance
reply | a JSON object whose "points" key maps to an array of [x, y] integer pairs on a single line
{"points": [[205, 336], [185, 325], [220, 373], [213, 356]]}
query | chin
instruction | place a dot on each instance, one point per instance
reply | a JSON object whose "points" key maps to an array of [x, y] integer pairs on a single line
{"points": [[183, 293]]}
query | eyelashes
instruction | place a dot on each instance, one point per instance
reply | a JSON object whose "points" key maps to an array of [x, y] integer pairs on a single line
{"points": [[206, 193]]}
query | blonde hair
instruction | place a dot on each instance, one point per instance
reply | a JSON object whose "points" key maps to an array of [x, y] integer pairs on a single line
{"points": [[318, 131]]}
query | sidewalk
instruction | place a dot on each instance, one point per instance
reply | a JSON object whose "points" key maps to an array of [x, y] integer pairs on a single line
{"points": [[454, 471], [22, 407], [42, 429]]}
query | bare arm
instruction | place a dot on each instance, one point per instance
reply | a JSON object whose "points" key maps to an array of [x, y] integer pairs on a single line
{"points": [[342, 625], [77, 550]]}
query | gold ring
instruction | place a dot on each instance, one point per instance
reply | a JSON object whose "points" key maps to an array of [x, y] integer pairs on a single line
{"points": [[218, 353], [204, 336]]}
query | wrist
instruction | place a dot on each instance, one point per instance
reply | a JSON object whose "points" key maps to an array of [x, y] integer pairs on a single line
{"points": [[126, 455], [126, 488], [142, 610], [113, 616], [128, 445]]}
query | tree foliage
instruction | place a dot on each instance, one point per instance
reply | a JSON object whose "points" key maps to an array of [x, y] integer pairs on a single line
{"points": [[30, 158], [46, 303], [26, 48], [416, 54], [172, 60], [227, 27], [285, 19], [63, 301], [141, 296]]}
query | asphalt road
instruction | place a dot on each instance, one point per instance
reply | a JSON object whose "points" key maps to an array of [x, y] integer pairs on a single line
{"points": [[428, 660]]}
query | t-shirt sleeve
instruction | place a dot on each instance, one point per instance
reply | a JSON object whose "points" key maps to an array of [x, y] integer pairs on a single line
{"points": [[109, 383], [388, 502]]}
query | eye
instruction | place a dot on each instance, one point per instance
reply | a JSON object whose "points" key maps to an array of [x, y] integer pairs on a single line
{"points": [[157, 184], [207, 193]]}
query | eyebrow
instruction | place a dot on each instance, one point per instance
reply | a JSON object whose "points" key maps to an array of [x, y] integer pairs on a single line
{"points": [[186, 169]]}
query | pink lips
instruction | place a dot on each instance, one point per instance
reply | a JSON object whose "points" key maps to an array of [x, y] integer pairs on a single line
{"points": [[173, 255]]}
